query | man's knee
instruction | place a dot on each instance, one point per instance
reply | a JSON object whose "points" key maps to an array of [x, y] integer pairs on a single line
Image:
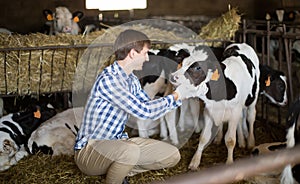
{"points": [[130, 154], [175, 158], [172, 159]]}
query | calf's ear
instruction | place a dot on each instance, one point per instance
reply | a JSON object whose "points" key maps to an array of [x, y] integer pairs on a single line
{"points": [[48, 14], [268, 81], [77, 16], [215, 76]]}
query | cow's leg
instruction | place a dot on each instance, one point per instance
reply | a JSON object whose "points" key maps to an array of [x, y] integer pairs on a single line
{"points": [[251, 119], [219, 137], [203, 140], [170, 118], [195, 111], [163, 129], [142, 124], [230, 136], [244, 124], [18, 156], [183, 110], [240, 133]]}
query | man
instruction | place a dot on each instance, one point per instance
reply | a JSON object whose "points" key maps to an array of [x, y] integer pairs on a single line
{"points": [[102, 146]]}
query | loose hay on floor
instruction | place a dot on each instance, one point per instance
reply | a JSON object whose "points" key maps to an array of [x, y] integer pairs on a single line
{"points": [[62, 169]]}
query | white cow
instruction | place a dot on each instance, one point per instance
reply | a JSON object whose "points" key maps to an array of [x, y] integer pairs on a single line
{"points": [[229, 87], [62, 21]]}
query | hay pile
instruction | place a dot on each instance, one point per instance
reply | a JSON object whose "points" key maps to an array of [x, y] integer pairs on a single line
{"points": [[38, 71], [39, 39], [222, 28], [52, 69], [35, 71]]}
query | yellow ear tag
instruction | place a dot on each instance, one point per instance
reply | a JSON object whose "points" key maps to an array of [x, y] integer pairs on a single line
{"points": [[37, 114], [268, 81], [49, 17], [215, 76], [179, 66], [76, 19]]}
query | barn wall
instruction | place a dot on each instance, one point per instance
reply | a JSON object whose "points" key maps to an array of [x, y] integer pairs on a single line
{"points": [[26, 16]]}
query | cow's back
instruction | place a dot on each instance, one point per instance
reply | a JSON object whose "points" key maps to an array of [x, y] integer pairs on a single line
{"points": [[241, 66]]}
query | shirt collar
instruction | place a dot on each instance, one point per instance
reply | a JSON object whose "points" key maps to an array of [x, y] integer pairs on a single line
{"points": [[120, 71]]}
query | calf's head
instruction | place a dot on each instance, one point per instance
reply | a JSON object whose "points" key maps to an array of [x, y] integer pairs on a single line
{"points": [[196, 71], [7, 145], [273, 85], [7, 150], [63, 21]]}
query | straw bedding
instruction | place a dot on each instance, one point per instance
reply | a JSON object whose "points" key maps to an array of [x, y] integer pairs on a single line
{"points": [[62, 169]]}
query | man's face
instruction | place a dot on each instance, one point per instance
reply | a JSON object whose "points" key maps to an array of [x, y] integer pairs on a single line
{"points": [[140, 58]]}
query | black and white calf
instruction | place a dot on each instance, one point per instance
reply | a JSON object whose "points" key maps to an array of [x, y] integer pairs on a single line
{"points": [[54, 136], [291, 173], [62, 21], [57, 135], [226, 87], [273, 85], [15, 130], [153, 78]]}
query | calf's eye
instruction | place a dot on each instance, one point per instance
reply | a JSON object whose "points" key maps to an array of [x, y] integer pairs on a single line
{"points": [[198, 68]]}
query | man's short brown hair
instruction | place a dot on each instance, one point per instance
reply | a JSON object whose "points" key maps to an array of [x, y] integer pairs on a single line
{"points": [[127, 40]]}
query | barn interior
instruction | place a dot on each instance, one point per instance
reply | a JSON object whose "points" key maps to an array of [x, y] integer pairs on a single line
{"points": [[49, 68]]}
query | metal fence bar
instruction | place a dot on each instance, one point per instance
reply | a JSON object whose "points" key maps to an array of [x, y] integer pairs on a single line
{"points": [[239, 170], [51, 69], [29, 78], [65, 66], [5, 72]]}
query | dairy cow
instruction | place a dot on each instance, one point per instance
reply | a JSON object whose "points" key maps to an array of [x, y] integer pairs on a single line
{"points": [[291, 173], [56, 136], [62, 21], [226, 87], [273, 85], [15, 130], [153, 78]]}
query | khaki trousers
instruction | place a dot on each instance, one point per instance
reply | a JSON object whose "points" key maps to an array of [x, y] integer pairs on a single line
{"points": [[120, 158]]}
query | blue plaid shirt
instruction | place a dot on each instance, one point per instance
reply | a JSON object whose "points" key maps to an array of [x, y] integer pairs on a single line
{"points": [[114, 96]]}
